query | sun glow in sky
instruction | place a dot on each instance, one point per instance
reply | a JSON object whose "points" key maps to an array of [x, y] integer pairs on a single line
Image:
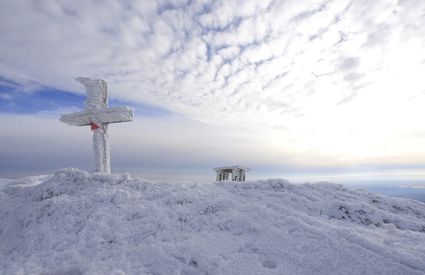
{"points": [[285, 87]]}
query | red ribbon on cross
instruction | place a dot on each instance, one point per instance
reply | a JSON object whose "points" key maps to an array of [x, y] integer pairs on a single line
{"points": [[93, 126]]}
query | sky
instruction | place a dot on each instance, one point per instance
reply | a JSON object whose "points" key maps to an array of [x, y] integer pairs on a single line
{"points": [[296, 89]]}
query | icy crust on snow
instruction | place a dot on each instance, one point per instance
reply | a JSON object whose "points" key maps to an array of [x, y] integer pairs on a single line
{"points": [[336, 202], [74, 222]]}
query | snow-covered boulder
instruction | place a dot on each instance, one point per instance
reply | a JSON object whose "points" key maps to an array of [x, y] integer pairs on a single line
{"points": [[74, 222]]}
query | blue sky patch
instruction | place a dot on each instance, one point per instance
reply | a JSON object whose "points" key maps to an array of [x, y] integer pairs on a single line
{"points": [[14, 100]]}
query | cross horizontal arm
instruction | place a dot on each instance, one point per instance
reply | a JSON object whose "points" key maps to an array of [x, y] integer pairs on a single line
{"points": [[109, 115]]}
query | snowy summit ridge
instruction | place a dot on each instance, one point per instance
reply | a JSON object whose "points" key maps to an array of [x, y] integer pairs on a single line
{"points": [[74, 222]]}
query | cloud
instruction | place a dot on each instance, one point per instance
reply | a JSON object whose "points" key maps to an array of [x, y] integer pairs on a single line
{"points": [[318, 71]]}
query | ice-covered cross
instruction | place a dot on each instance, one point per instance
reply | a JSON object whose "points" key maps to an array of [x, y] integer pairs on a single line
{"points": [[98, 116]]}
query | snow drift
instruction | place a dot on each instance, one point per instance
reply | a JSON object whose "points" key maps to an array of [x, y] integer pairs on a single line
{"points": [[74, 222]]}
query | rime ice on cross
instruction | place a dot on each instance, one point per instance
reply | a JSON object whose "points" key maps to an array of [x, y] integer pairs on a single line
{"points": [[98, 116]]}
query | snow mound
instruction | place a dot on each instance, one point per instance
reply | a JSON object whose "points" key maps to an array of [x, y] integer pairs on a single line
{"points": [[74, 222]]}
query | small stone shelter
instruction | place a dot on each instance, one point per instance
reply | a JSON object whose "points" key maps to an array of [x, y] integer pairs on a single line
{"points": [[234, 173]]}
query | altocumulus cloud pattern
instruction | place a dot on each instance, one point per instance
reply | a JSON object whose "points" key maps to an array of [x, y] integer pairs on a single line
{"points": [[262, 61]]}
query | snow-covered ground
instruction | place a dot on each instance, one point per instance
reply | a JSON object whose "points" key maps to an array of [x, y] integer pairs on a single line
{"points": [[74, 222]]}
